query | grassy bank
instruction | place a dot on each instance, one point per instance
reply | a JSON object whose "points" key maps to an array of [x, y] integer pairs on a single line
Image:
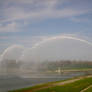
{"points": [[72, 85]]}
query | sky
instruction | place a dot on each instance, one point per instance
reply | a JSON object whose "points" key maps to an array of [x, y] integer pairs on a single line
{"points": [[26, 22]]}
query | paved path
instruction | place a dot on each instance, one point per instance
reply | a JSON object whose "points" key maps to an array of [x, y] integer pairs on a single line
{"points": [[86, 88]]}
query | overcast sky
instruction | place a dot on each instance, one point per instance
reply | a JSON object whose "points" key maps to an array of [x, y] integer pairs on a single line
{"points": [[26, 22]]}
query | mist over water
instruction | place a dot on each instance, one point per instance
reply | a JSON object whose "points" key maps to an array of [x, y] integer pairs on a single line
{"points": [[61, 48]]}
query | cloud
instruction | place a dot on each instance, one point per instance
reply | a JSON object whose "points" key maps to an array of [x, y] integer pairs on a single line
{"points": [[39, 9], [10, 27], [17, 13], [76, 19], [27, 41], [3, 37]]}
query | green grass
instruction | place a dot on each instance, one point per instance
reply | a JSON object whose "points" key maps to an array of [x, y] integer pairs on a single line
{"points": [[89, 90], [71, 87]]}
